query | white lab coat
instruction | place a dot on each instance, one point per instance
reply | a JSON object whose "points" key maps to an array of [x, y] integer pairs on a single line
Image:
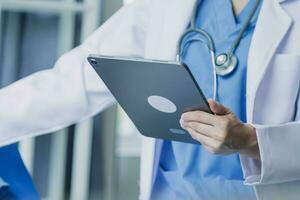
{"points": [[53, 99]]}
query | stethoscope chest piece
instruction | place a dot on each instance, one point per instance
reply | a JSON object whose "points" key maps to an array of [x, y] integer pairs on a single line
{"points": [[225, 64]]}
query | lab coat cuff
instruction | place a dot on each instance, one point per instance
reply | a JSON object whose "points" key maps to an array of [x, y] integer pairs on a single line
{"points": [[280, 159], [251, 170], [257, 171]]}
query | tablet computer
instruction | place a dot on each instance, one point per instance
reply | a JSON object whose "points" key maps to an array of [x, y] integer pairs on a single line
{"points": [[153, 93]]}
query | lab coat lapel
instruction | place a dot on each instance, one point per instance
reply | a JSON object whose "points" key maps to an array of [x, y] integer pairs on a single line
{"points": [[168, 22], [272, 25]]}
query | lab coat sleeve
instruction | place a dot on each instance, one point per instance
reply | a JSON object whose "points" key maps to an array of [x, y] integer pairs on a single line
{"points": [[279, 152], [71, 91]]}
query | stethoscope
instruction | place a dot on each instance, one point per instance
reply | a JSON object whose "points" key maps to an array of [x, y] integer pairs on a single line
{"points": [[224, 63]]}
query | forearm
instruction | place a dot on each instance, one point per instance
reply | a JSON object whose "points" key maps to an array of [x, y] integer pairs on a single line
{"points": [[71, 91], [52, 99]]}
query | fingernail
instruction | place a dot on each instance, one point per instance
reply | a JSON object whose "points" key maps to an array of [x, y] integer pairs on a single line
{"points": [[181, 124], [181, 121]]}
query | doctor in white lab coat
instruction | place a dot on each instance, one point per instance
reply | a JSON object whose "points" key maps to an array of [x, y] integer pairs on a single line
{"points": [[52, 99]]}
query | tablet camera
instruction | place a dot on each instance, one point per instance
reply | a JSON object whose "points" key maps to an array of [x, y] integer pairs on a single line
{"points": [[93, 61]]}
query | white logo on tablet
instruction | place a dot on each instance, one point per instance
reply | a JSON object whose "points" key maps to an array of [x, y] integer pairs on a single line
{"points": [[162, 104]]}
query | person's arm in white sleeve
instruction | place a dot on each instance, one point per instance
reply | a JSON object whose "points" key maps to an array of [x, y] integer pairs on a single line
{"points": [[52, 99], [279, 154]]}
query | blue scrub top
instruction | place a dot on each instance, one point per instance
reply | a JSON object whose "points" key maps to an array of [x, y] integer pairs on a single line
{"points": [[14, 173], [188, 171]]}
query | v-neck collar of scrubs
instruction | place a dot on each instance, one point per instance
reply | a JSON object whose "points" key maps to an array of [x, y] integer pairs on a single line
{"points": [[227, 21], [242, 16]]}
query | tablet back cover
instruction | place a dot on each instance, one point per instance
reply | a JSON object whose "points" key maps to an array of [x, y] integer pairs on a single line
{"points": [[154, 94]]}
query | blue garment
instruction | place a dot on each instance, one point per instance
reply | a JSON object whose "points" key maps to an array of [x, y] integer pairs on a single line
{"points": [[13, 172], [188, 171], [2, 183]]}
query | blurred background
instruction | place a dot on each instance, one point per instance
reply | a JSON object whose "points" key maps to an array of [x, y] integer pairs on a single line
{"points": [[95, 159]]}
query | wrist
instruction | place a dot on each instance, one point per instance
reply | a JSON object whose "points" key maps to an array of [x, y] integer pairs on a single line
{"points": [[252, 148], [251, 136]]}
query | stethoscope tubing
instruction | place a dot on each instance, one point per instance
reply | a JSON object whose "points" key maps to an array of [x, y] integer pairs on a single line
{"points": [[211, 45], [243, 29]]}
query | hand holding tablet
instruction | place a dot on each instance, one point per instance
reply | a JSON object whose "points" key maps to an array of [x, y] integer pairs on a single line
{"points": [[154, 94]]}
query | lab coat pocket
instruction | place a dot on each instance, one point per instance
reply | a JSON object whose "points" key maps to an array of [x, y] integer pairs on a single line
{"points": [[279, 90]]}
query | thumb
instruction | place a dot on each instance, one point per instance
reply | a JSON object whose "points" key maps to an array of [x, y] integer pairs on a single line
{"points": [[217, 108]]}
